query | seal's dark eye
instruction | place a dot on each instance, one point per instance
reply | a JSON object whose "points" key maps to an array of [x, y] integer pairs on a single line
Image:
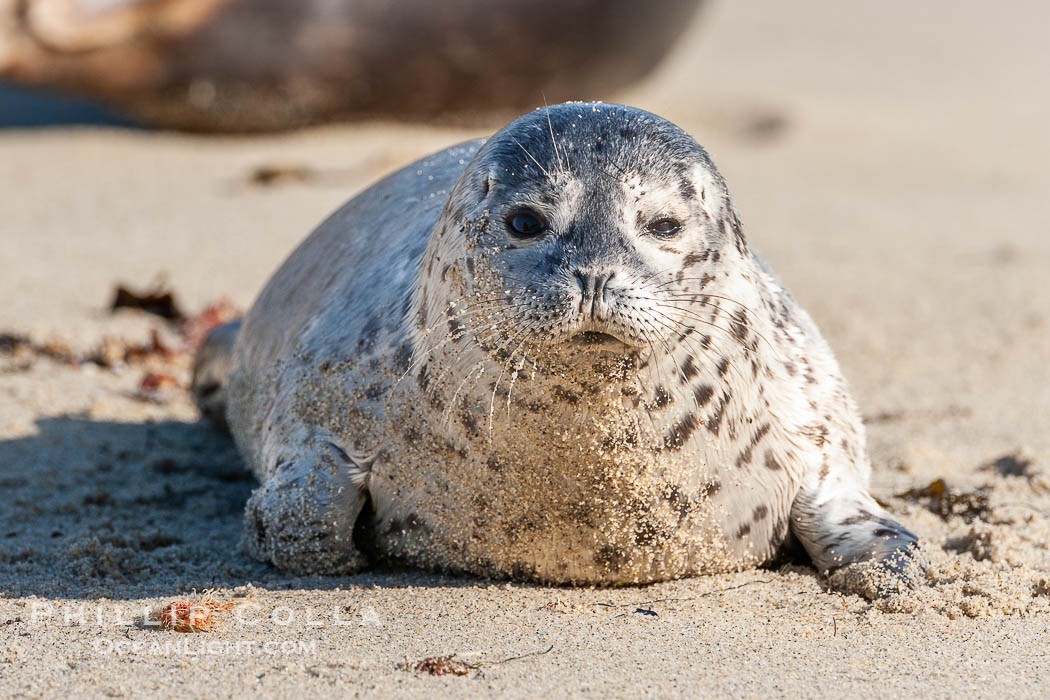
{"points": [[526, 223], [664, 228]]}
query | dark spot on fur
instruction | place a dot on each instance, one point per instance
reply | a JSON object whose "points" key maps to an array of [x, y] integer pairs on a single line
{"points": [[523, 572], [739, 325], [694, 258], [584, 513], [745, 455], [455, 329], [678, 501], [660, 397], [403, 358], [567, 395], [791, 369], [705, 342], [680, 432], [825, 469], [861, 517], [723, 366], [771, 461], [780, 531], [885, 532], [369, 332], [816, 432], [712, 487], [703, 394], [760, 512], [414, 523], [469, 422], [689, 368], [610, 557], [470, 265], [715, 421], [744, 531], [733, 225], [648, 533]]}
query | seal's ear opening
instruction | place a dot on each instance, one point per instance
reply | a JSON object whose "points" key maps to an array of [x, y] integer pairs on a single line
{"points": [[488, 182], [710, 191]]}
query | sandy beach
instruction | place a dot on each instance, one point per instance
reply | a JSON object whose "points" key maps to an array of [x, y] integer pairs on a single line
{"points": [[889, 160]]}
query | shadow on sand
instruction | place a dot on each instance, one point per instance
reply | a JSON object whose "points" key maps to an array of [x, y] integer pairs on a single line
{"points": [[134, 510], [33, 109]]}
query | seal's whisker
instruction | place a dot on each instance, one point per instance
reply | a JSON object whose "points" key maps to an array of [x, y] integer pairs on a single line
{"points": [[701, 352], [514, 378], [550, 126], [695, 316], [492, 403], [691, 313], [533, 159]]}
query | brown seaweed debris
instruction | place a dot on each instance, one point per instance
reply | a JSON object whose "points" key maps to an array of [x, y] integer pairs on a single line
{"points": [[156, 387], [115, 352], [158, 301], [1017, 464], [443, 666], [20, 347], [939, 499], [450, 665], [202, 615], [196, 328]]}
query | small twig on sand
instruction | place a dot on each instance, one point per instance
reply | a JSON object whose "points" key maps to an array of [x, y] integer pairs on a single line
{"points": [[450, 665], [682, 600]]}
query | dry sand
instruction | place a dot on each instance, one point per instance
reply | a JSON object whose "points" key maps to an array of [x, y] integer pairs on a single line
{"points": [[889, 159]]}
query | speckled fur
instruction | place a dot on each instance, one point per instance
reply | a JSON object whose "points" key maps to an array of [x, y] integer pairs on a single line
{"points": [[413, 357]]}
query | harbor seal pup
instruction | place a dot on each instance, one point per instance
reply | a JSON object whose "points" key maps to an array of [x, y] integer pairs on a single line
{"points": [[551, 355]]}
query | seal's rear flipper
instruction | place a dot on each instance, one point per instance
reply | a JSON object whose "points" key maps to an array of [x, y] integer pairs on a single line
{"points": [[840, 524], [210, 369]]}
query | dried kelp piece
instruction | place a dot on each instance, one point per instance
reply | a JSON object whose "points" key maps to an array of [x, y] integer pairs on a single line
{"points": [[202, 615], [279, 174], [1016, 464], [10, 343], [195, 329], [443, 666], [939, 498], [158, 301], [450, 665]]}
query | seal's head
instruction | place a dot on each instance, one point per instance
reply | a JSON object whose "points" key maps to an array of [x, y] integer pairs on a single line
{"points": [[582, 226]]}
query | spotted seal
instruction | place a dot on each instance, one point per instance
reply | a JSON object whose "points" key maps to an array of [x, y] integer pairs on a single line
{"points": [[551, 355]]}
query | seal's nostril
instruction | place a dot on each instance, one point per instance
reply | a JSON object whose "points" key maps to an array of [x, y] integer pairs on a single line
{"points": [[601, 284], [581, 280]]}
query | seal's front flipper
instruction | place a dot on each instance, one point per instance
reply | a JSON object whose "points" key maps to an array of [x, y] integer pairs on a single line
{"points": [[840, 525], [302, 518]]}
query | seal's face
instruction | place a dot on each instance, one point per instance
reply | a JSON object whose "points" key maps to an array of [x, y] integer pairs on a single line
{"points": [[593, 221]]}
